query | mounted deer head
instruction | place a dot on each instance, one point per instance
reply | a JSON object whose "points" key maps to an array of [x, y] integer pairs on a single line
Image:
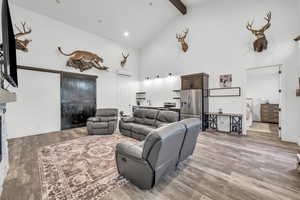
{"points": [[22, 44], [261, 43], [181, 38], [124, 61]]}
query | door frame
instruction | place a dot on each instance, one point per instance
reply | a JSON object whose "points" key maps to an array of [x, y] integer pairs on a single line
{"points": [[282, 95], [81, 77]]}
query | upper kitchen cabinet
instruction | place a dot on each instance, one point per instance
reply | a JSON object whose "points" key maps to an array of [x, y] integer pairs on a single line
{"points": [[194, 81]]}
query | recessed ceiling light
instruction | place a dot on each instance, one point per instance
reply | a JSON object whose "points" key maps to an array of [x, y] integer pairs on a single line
{"points": [[126, 33]]}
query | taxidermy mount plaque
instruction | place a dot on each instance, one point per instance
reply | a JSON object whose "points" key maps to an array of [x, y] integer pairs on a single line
{"points": [[261, 43], [22, 44], [84, 60], [181, 38], [124, 61]]}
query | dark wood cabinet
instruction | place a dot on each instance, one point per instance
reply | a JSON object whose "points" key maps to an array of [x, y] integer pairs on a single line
{"points": [[194, 81], [269, 113], [78, 99]]}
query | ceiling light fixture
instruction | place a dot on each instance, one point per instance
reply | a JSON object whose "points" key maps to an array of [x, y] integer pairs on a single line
{"points": [[126, 33]]}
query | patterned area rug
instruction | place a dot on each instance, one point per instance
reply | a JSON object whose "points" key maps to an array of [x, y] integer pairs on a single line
{"points": [[80, 169]]}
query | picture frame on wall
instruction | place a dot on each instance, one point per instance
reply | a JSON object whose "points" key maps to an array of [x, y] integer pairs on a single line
{"points": [[226, 81]]}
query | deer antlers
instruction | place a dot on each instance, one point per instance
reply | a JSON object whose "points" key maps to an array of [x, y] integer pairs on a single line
{"points": [[125, 57], [264, 28], [24, 31], [22, 44], [268, 19], [181, 38]]}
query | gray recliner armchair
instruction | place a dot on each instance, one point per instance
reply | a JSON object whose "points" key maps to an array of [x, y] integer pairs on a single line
{"points": [[145, 164], [104, 123]]}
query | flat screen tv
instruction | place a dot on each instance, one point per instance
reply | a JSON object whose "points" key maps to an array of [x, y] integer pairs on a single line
{"points": [[9, 69]]}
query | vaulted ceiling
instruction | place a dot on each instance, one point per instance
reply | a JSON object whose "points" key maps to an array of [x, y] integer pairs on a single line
{"points": [[142, 19]]}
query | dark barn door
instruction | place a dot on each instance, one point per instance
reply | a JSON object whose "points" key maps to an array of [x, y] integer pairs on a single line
{"points": [[78, 99]]}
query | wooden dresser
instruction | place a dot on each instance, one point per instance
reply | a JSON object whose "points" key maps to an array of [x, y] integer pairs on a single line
{"points": [[269, 113]]}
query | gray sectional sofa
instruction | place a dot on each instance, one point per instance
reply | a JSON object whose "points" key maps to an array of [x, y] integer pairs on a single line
{"points": [[145, 163], [144, 121]]}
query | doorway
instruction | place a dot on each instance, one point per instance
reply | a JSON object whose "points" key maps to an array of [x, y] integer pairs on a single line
{"points": [[263, 101], [125, 94]]}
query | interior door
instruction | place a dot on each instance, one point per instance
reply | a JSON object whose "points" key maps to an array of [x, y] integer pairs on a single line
{"points": [[78, 99], [125, 95]]}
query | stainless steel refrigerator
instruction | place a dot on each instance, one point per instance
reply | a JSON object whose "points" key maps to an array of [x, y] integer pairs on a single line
{"points": [[194, 97], [191, 103]]}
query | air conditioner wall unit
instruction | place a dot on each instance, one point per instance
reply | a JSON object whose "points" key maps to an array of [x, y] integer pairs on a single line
{"points": [[122, 72]]}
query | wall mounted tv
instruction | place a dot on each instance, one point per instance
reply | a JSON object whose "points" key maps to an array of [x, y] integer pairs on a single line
{"points": [[8, 47]]}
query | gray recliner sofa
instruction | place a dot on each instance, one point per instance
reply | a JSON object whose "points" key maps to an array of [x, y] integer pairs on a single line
{"points": [[144, 121], [104, 123], [193, 128], [145, 163]]}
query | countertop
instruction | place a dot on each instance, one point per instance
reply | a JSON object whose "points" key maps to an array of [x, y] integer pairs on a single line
{"points": [[224, 114], [158, 107]]}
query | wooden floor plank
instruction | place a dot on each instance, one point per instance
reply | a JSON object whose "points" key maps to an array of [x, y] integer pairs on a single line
{"points": [[224, 167]]}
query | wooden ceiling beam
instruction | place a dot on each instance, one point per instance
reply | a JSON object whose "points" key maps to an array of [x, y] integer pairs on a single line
{"points": [[179, 5]]}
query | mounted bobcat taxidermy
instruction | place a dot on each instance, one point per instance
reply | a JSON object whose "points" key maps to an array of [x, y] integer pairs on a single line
{"points": [[124, 61], [181, 38], [84, 60], [22, 44], [261, 43]]}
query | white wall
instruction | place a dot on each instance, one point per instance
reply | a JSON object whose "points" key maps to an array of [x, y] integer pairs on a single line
{"points": [[38, 107], [160, 90], [262, 87], [220, 44]]}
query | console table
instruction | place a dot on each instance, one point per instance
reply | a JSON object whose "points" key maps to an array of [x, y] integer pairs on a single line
{"points": [[225, 122]]}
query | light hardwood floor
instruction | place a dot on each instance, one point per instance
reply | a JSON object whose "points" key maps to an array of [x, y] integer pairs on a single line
{"points": [[223, 167]]}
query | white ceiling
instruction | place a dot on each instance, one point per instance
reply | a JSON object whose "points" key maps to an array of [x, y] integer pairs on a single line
{"points": [[137, 17]]}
